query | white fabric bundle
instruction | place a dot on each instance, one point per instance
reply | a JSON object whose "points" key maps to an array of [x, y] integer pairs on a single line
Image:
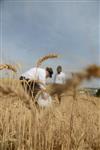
{"points": [[44, 100]]}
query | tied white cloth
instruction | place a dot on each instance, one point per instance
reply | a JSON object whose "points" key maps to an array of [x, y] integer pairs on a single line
{"points": [[38, 74], [60, 78], [44, 100]]}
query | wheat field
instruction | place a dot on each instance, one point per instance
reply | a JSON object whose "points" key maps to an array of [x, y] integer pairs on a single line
{"points": [[74, 124]]}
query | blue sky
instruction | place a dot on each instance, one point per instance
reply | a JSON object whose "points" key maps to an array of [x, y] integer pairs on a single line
{"points": [[31, 29]]}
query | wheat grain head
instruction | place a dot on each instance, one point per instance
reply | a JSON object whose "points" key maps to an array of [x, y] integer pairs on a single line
{"points": [[8, 66], [44, 58]]}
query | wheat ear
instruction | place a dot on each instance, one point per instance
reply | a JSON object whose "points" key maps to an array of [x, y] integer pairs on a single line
{"points": [[8, 66], [44, 58]]}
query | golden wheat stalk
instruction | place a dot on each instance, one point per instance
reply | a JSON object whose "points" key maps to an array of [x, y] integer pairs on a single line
{"points": [[44, 58], [8, 66]]}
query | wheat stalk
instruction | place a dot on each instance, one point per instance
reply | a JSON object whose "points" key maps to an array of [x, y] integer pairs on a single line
{"points": [[44, 58], [8, 66]]}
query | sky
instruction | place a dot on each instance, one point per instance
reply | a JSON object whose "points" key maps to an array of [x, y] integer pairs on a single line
{"points": [[30, 29]]}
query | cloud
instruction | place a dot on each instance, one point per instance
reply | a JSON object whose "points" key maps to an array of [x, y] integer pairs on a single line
{"points": [[32, 29]]}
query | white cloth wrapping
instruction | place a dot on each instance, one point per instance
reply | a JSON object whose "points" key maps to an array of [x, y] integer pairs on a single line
{"points": [[44, 100]]}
